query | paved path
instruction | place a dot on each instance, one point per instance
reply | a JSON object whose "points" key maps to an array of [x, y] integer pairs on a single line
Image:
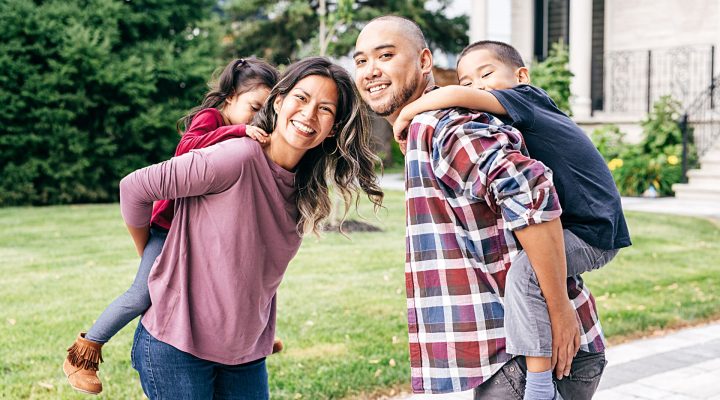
{"points": [[683, 365]]}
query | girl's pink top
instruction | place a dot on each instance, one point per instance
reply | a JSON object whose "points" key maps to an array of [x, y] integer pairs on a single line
{"points": [[206, 129]]}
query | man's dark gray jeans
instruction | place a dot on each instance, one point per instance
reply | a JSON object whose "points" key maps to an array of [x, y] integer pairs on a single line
{"points": [[509, 382]]}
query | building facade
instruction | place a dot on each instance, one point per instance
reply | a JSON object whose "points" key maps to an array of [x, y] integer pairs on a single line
{"points": [[624, 54]]}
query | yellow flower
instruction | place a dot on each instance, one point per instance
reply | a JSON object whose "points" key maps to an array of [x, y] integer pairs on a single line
{"points": [[615, 163], [673, 160]]}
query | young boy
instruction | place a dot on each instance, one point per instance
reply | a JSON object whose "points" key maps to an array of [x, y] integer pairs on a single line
{"points": [[494, 79]]}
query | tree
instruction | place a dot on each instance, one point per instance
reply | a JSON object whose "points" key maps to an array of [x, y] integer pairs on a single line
{"points": [[553, 75], [92, 90], [282, 31]]}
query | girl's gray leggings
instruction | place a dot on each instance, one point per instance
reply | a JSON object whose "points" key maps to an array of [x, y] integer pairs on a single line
{"points": [[135, 300]]}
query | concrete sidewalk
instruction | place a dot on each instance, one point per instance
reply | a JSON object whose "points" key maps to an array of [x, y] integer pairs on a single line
{"points": [[684, 365]]}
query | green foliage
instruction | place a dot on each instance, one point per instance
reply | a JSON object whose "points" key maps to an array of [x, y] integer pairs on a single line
{"points": [[92, 89], [282, 32], [660, 127], [609, 140], [398, 158], [654, 162], [553, 75]]}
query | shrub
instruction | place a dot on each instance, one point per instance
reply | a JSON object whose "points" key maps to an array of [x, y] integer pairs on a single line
{"points": [[91, 90], [654, 162], [553, 75], [609, 140]]}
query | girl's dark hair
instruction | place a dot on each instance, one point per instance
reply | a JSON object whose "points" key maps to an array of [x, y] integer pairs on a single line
{"points": [[239, 76], [345, 160]]}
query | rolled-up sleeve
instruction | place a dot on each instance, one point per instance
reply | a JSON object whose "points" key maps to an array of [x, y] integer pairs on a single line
{"points": [[484, 162]]}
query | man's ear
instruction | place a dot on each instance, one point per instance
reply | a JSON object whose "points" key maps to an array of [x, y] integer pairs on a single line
{"points": [[523, 75], [426, 61]]}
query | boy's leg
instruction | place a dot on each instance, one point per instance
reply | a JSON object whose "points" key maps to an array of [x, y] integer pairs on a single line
{"points": [[135, 300], [527, 322], [168, 373], [582, 257], [527, 328]]}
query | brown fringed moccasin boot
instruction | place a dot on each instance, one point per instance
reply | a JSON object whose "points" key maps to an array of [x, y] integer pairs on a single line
{"points": [[277, 346], [81, 365]]}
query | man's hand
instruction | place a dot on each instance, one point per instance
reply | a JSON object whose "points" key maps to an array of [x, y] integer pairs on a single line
{"points": [[257, 134], [565, 339]]}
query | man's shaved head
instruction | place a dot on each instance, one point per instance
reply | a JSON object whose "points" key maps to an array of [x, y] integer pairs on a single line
{"points": [[393, 65], [410, 29]]}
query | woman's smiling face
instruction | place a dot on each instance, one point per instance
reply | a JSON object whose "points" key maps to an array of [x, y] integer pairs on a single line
{"points": [[306, 115]]}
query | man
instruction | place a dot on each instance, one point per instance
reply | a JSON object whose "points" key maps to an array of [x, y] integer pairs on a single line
{"points": [[475, 204]]}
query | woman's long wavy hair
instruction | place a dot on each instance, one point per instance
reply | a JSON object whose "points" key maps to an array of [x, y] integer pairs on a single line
{"points": [[343, 160], [241, 75]]}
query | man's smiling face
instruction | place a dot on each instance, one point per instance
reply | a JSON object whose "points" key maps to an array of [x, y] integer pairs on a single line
{"points": [[388, 68]]}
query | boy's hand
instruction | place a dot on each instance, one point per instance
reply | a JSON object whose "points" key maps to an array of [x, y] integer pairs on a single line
{"points": [[400, 129], [565, 339], [257, 134]]}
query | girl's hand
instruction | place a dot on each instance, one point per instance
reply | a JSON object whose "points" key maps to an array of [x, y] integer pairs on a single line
{"points": [[257, 134]]}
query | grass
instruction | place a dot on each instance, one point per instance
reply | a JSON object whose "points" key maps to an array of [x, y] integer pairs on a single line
{"points": [[341, 307]]}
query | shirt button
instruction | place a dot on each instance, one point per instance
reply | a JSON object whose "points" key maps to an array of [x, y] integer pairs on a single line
{"points": [[512, 369]]}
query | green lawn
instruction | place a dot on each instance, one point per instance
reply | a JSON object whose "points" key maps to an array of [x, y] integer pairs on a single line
{"points": [[341, 307]]}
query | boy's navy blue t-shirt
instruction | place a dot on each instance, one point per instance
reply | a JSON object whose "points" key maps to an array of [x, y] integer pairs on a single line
{"points": [[588, 195]]}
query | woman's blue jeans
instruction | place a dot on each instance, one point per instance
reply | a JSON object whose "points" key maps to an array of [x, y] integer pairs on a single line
{"points": [[167, 373]]}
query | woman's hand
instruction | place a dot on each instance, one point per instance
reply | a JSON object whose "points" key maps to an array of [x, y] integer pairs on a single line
{"points": [[257, 134]]}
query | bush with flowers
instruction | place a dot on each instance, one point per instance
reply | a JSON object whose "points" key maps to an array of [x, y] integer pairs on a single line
{"points": [[654, 164]]}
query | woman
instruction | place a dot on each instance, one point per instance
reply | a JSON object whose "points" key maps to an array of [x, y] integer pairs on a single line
{"points": [[241, 211]]}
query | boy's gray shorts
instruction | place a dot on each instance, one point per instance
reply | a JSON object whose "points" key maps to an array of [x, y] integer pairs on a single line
{"points": [[527, 322]]}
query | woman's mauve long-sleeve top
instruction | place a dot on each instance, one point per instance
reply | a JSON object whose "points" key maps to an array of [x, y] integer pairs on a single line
{"points": [[213, 287]]}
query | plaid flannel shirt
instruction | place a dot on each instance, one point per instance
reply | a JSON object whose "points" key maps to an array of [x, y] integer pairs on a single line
{"points": [[469, 184]]}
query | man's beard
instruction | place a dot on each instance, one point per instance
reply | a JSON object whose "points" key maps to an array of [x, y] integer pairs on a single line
{"points": [[400, 99]]}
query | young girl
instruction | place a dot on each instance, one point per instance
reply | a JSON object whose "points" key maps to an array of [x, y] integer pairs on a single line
{"points": [[232, 102]]}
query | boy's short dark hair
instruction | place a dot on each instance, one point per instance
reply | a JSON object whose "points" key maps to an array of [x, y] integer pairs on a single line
{"points": [[505, 53]]}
